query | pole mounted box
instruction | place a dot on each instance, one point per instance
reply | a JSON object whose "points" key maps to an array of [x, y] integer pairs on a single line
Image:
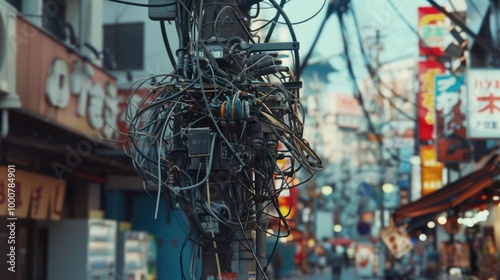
{"points": [[167, 12]]}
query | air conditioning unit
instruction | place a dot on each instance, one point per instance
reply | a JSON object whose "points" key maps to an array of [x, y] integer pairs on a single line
{"points": [[8, 95]]}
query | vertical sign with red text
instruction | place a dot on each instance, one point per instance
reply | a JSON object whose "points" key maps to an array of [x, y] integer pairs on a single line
{"points": [[451, 120], [57, 198], [3, 190], [40, 196], [484, 103], [427, 71], [432, 29]]}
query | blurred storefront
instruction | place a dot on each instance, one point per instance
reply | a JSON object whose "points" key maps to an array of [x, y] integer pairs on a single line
{"points": [[460, 221], [61, 113]]}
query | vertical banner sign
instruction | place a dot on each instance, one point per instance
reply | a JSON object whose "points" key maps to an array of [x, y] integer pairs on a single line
{"points": [[57, 198], [3, 190], [24, 181], [40, 197], [432, 170], [427, 70], [450, 128], [432, 30], [484, 103], [364, 260]]}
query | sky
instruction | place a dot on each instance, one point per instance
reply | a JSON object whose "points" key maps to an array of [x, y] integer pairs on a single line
{"points": [[398, 39]]}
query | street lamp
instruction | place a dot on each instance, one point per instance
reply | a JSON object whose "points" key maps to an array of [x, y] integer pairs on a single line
{"points": [[442, 220], [422, 237], [337, 228], [326, 190], [387, 188]]}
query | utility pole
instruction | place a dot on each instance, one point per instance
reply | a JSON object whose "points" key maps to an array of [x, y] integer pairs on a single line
{"points": [[207, 135], [228, 255]]}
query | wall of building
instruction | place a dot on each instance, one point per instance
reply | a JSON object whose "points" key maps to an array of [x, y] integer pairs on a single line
{"points": [[155, 56], [170, 230], [80, 14]]}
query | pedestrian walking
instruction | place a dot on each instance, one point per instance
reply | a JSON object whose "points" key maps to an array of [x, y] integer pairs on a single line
{"points": [[336, 261]]}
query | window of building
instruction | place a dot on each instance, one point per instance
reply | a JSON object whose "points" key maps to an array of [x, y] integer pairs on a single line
{"points": [[54, 18], [15, 3], [125, 41]]}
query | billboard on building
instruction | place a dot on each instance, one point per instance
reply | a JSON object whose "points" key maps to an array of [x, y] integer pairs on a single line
{"points": [[451, 119], [427, 71], [483, 103], [348, 111], [432, 28], [37, 196]]}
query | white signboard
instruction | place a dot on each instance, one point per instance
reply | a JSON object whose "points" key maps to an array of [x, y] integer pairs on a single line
{"points": [[396, 240], [484, 103]]}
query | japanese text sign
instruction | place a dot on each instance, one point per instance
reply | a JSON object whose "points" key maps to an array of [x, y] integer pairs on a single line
{"points": [[432, 29], [484, 103], [427, 70], [450, 128]]}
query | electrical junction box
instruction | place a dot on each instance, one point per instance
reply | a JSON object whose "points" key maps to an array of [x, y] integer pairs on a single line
{"points": [[199, 142], [167, 12]]}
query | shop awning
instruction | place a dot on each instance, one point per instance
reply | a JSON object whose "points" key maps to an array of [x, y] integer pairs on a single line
{"points": [[38, 142], [457, 194]]}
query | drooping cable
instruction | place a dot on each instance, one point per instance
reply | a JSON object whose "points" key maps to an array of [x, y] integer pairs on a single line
{"points": [[167, 44], [142, 4]]}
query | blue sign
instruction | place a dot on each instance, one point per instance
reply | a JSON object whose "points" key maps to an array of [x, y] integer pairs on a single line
{"points": [[364, 190]]}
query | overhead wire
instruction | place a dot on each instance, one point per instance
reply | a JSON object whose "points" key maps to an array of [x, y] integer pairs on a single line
{"points": [[358, 94], [375, 77], [245, 108], [142, 4]]}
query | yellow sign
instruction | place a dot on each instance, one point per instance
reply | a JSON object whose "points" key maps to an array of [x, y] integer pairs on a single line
{"points": [[36, 196], [432, 170]]}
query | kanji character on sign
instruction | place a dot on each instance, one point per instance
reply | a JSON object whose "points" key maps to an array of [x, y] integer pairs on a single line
{"points": [[491, 103]]}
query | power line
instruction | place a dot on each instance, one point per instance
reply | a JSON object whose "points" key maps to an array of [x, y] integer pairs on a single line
{"points": [[331, 9], [410, 26], [143, 5], [371, 126], [374, 75]]}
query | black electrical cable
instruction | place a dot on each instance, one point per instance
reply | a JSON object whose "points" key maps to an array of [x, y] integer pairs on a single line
{"points": [[160, 125], [308, 18], [371, 126], [374, 75], [143, 5], [273, 23], [313, 46], [411, 27], [292, 34], [167, 45]]}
